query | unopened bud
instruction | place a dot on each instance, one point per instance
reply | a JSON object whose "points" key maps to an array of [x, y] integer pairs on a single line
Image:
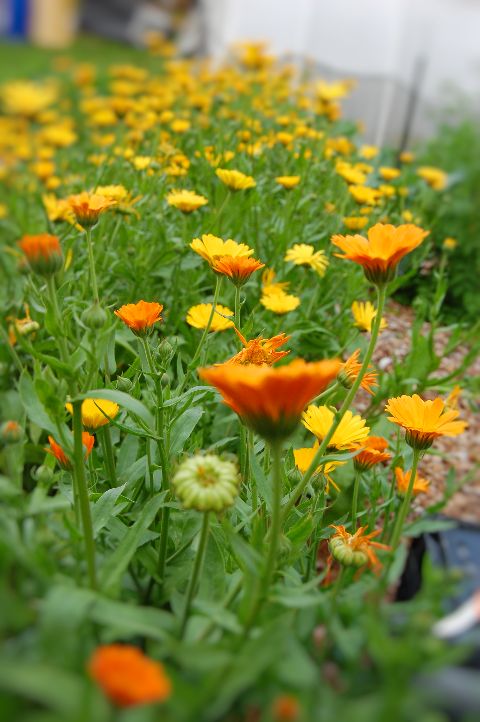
{"points": [[206, 483], [94, 317], [11, 432]]}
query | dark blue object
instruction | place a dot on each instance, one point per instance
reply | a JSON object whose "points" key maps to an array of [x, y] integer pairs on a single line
{"points": [[18, 11]]}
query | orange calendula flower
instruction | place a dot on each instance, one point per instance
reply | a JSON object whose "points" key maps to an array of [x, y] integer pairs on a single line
{"points": [[372, 453], [304, 457], [88, 207], [271, 399], [237, 268], [420, 485], [211, 247], [355, 550], [96, 412], [235, 180], [349, 372], [140, 317], [127, 676], [43, 253], [286, 708], [260, 351], [185, 200], [56, 450], [382, 251], [424, 421]]}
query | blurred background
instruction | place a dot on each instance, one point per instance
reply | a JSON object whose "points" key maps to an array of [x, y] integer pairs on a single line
{"points": [[417, 63]]}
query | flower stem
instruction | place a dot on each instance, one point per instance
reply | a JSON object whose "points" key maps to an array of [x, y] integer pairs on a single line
{"points": [[197, 567], [107, 447], [302, 484], [52, 296], [91, 261], [82, 491], [237, 307], [13, 353], [197, 353], [397, 529], [356, 488]]}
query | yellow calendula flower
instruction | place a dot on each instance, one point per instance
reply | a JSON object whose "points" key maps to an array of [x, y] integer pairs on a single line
{"points": [[95, 412], [388, 173], [211, 247], [185, 200], [180, 125], [349, 173], [355, 223], [288, 181], [3, 211], [364, 194], [333, 91], [450, 244], [350, 433], [280, 302], [435, 177], [22, 97], [198, 316], [142, 162], [407, 156], [304, 457], [363, 314], [424, 421], [235, 180], [269, 285], [302, 254], [368, 151]]}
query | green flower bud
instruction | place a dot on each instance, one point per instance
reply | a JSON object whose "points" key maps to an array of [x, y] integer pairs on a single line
{"points": [[11, 432], [206, 483], [343, 553], [94, 317], [44, 475], [124, 384]]}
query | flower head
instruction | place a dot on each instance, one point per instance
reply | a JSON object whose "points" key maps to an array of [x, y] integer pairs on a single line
{"points": [[363, 315], [235, 180], [288, 181], [365, 195], [140, 317], [58, 209], [280, 302], [237, 268], [304, 457], [127, 676], [88, 207], [186, 201], [435, 177], [349, 372], [350, 433], [95, 412], [211, 247], [424, 421], [43, 253], [198, 316], [21, 326], [302, 254], [56, 450], [260, 351], [355, 550], [373, 452], [380, 253], [206, 483], [402, 478], [271, 399]]}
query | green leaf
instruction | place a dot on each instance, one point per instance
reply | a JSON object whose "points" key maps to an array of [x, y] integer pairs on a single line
{"points": [[428, 526], [34, 408], [117, 563], [103, 509], [264, 486], [50, 686], [124, 401], [182, 428]]}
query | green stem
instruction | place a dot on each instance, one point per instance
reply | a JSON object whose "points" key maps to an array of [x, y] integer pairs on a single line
{"points": [[197, 567], [82, 490], [400, 521], [356, 488], [237, 307], [328, 392], [52, 295], [91, 262], [13, 353], [274, 535], [107, 447], [302, 484], [197, 353]]}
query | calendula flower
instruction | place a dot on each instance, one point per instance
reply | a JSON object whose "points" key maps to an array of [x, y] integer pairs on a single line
{"points": [[260, 351], [450, 244], [21, 326], [269, 285], [88, 207], [349, 372], [286, 708], [206, 483], [364, 194], [355, 550], [424, 421], [124, 201], [355, 223], [235, 180], [451, 402], [65, 462], [127, 676], [211, 247], [368, 151], [94, 410], [304, 457], [380, 253], [349, 173], [350, 433], [197, 316], [43, 253], [22, 97], [280, 302], [10, 432], [58, 209], [237, 268], [186, 201], [388, 173], [141, 316], [373, 452], [302, 254], [271, 399], [363, 314], [402, 478], [436, 178], [288, 181]]}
